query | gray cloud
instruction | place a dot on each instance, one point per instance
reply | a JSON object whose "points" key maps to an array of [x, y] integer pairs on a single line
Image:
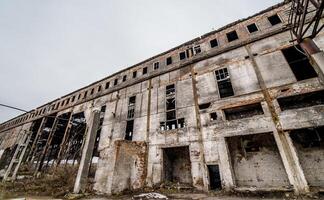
{"points": [[49, 48]]}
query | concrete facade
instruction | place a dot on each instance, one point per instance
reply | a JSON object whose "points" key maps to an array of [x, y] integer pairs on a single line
{"points": [[231, 106]]}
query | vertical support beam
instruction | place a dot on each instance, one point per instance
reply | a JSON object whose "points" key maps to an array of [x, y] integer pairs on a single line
{"points": [[87, 151], [315, 55], [291, 163], [33, 147], [225, 164], [198, 125], [64, 141]]}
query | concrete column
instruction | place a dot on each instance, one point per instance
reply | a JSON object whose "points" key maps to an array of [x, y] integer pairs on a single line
{"points": [[87, 151], [225, 164]]}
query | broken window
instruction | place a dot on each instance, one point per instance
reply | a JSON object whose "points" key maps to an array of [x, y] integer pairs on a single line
{"points": [[243, 111], [231, 36], [213, 43], [124, 78], [169, 60], [156, 65], [308, 137], [182, 55], [170, 89], [274, 20], [144, 70], [213, 116], [204, 106], [107, 85], [301, 100], [170, 104], [134, 74], [299, 63], [197, 49], [252, 28], [116, 81], [224, 83], [129, 130]]}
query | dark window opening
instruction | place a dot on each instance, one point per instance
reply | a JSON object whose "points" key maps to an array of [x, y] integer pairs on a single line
{"points": [[144, 70], [134, 74], [169, 60], [243, 111], [213, 116], [99, 88], [308, 137], [299, 63], [132, 100], [182, 55], [214, 177], [131, 107], [116, 81], [213, 43], [181, 123], [170, 104], [129, 130], [274, 20], [85, 94], [170, 89], [67, 101], [204, 106], [172, 124], [171, 115], [156, 65], [92, 90], [197, 49], [250, 145], [301, 100], [252, 28], [224, 83], [73, 98], [107, 85], [231, 36], [124, 78]]}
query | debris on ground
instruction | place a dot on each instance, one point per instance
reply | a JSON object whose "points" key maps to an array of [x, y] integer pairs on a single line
{"points": [[151, 195]]}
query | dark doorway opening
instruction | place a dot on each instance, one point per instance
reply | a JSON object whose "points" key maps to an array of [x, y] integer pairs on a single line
{"points": [[177, 165], [214, 177]]}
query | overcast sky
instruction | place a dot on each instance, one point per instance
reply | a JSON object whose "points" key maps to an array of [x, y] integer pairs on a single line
{"points": [[49, 48]]}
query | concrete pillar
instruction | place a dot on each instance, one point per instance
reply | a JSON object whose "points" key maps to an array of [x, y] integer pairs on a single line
{"points": [[225, 166], [87, 151]]}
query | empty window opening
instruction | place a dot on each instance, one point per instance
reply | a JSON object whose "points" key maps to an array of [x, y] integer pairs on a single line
{"points": [[92, 90], [67, 101], [131, 107], [214, 177], [116, 81], [170, 104], [231, 36], [99, 88], [213, 116], [144, 70], [170, 89], [243, 111], [224, 83], [107, 85], [204, 106], [274, 20], [252, 28], [197, 49], [308, 137], [79, 96], [169, 60], [301, 100], [177, 165], [73, 98], [182, 55], [124, 78], [129, 130], [156, 65], [213, 43], [132, 101], [299, 63], [85, 94], [134, 74]]}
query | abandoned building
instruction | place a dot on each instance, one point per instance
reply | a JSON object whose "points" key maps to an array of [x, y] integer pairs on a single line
{"points": [[238, 108]]}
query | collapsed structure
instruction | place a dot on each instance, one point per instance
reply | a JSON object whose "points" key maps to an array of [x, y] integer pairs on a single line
{"points": [[237, 108]]}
